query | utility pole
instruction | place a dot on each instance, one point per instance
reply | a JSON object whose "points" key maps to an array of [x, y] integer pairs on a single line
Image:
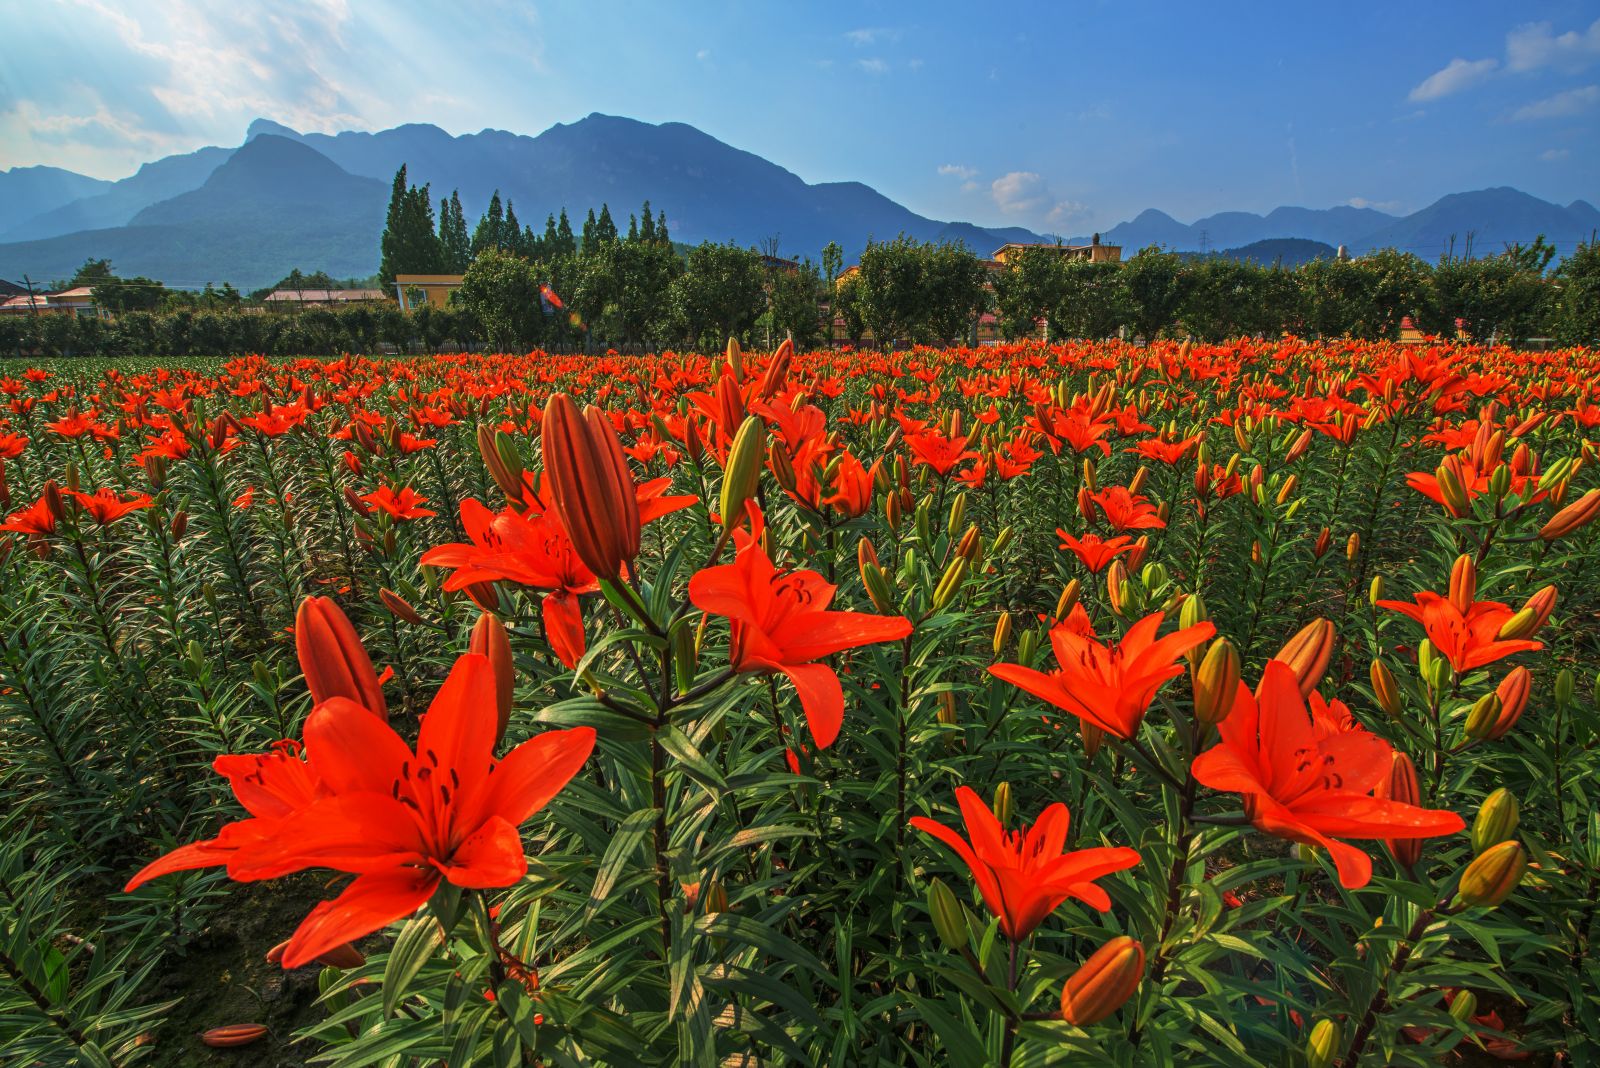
{"points": [[32, 303], [1205, 241]]}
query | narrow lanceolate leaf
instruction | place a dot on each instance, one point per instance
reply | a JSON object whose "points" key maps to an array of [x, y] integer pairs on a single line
{"points": [[418, 941], [626, 841]]}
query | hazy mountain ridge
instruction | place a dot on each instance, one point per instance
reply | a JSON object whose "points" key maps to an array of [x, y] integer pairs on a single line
{"points": [[316, 201]]}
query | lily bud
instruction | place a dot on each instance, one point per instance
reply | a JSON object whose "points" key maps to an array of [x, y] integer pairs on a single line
{"points": [[1069, 597], [489, 639], [879, 590], [1375, 590], [1002, 634], [1463, 583], [1308, 653], [743, 473], [1564, 684], [949, 918], [1324, 539], [958, 512], [591, 490], [1216, 683], [1496, 821], [1322, 1044], [1484, 715], [506, 475], [1575, 516], [1455, 497], [1352, 547], [1093, 738], [1490, 878], [950, 583], [1384, 688], [398, 606], [1002, 803], [1298, 449], [180, 524], [1464, 1006], [1287, 489], [1103, 983], [967, 548], [1002, 540], [1535, 612], [891, 510], [333, 659], [1401, 785], [946, 714]]}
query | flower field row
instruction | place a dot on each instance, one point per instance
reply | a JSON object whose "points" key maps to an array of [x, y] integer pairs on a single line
{"points": [[1019, 705]]}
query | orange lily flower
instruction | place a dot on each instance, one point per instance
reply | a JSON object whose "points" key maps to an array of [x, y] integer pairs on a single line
{"points": [[1307, 783], [1467, 639], [1108, 686], [1024, 876], [780, 622]]}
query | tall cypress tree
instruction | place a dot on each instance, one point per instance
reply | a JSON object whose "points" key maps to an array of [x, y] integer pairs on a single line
{"points": [[661, 228], [565, 244], [590, 228], [410, 244], [605, 231], [455, 243], [490, 227], [511, 233], [647, 225], [633, 229]]}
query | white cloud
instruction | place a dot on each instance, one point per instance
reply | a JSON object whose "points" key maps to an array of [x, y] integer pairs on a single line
{"points": [[1020, 193], [1536, 45], [1027, 194], [703, 55], [1375, 205], [1555, 155], [1560, 106], [871, 35], [1457, 75], [873, 65], [958, 170]]}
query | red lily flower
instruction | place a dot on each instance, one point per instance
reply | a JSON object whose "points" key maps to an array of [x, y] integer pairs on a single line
{"points": [[37, 520], [1468, 640], [402, 507], [1109, 687], [1127, 511], [780, 622], [1093, 551], [1308, 784], [939, 451], [1024, 876], [403, 822]]}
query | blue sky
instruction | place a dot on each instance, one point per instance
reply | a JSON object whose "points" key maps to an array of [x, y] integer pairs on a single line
{"points": [[1062, 117]]}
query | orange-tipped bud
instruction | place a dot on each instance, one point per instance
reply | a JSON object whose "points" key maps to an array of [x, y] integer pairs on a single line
{"points": [[1308, 653], [1535, 613], [1496, 821], [1463, 583], [398, 606], [1352, 547], [1455, 497], [231, 1035], [508, 478], [1298, 449], [1116, 586], [866, 554], [1103, 983], [1513, 693], [1580, 513], [1216, 683], [1138, 552], [1401, 785], [743, 473], [1321, 546], [969, 545], [591, 489], [1490, 878], [489, 638], [1384, 688], [1093, 738], [1002, 634], [332, 657], [1069, 597]]}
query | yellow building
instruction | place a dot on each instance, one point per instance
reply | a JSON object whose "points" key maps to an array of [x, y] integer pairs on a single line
{"points": [[434, 289], [79, 301], [1094, 252]]}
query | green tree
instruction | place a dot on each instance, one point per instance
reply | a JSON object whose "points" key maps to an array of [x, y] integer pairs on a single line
{"points": [[490, 231], [1575, 300], [953, 283], [719, 294], [792, 305], [605, 230], [1030, 288], [1220, 298], [888, 289], [1094, 300], [1155, 282], [455, 243], [565, 244], [410, 243], [502, 293]]}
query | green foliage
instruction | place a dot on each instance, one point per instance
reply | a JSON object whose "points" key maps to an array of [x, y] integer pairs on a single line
{"points": [[410, 243]]}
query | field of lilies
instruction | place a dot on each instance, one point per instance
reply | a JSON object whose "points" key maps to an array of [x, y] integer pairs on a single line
{"points": [[1021, 706]]}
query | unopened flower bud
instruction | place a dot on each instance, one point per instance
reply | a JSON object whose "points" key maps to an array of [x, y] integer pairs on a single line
{"points": [[1002, 634], [1384, 688], [1002, 803], [1401, 785], [1496, 872], [591, 489], [1322, 1044], [1069, 597], [1463, 1007], [1496, 821], [332, 658], [1463, 583], [743, 473], [1103, 983], [1573, 517], [1564, 685], [949, 918], [489, 638], [398, 606], [1483, 717], [1216, 683], [1308, 653]]}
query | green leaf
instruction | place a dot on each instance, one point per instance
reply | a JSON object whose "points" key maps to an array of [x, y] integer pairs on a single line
{"points": [[417, 942]]}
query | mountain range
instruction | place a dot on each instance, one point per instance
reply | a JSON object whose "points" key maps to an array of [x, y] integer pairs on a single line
{"points": [[285, 199]]}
